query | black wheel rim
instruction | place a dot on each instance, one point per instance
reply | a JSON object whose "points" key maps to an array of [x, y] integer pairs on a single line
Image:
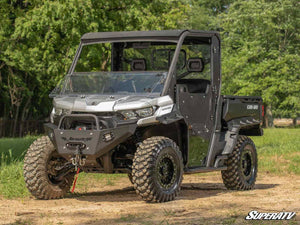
{"points": [[248, 164], [54, 167], [167, 171]]}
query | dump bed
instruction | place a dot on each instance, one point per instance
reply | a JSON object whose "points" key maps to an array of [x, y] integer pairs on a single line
{"points": [[244, 112], [235, 107]]}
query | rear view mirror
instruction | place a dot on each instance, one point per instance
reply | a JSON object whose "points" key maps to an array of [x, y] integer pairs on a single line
{"points": [[195, 65]]}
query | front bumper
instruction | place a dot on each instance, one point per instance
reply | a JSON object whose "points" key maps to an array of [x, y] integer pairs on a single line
{"points": [[90, 142]]}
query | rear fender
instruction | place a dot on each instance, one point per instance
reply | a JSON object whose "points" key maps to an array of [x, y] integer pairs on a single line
{"points": [[246, 126]]}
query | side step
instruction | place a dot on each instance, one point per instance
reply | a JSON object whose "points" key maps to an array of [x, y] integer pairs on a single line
{"points": [[200, 169]]}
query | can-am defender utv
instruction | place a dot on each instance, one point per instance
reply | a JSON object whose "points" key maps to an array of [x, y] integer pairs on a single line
{"points": [[146, 103]]}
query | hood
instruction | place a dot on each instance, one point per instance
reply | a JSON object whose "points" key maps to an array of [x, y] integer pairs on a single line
{"points": [[109, 103]]}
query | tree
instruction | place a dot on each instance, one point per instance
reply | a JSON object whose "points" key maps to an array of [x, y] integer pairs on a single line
{"points": [[203, 14], [261, 53], [39, 39]]}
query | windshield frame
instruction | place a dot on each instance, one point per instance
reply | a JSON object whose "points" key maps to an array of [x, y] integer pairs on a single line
{"points": [[82, 44], [148, 39], [178, 40]]}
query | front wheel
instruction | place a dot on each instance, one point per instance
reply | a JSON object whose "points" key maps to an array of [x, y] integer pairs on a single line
{"points": [[157, 169], [241, 166], [42, 166]]}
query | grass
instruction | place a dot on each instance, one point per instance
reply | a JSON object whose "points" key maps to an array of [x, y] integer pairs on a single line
{"points": [[12, 152], [278, 152], [13, 149]]}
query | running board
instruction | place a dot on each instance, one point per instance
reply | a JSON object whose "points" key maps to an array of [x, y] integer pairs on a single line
{"points": [[203, 169]]}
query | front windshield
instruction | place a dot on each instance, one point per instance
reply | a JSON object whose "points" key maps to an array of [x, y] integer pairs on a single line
{"points": [[109, 83], [120, 68]]}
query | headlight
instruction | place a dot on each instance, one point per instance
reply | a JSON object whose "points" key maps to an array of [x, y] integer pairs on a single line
{"points": [[61, 112], [145, 112], [58, 112], [134, 114], [129, 115]]}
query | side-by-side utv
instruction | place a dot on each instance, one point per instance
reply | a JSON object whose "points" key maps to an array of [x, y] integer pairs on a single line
{"points": [[145, 103]]}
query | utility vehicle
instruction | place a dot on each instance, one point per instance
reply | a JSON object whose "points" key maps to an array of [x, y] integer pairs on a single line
{"points": [[145, 103]]}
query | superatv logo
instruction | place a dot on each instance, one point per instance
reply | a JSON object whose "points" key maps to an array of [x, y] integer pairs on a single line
{"points": [[254, 215], [76, 139]]}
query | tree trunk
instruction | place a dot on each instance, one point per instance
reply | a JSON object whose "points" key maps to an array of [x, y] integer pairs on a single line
{"points": [[295, 121], [23, 116], [1, 127], [268, 117], [16, 121]]}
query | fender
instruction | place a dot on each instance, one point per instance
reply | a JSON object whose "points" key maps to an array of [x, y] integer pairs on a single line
{"points": [[235, 127]]}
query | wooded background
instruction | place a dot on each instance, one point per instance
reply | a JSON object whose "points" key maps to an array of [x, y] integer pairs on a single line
{"points": [[38, 40]]}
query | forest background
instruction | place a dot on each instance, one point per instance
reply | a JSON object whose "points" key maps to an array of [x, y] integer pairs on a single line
{"points": [[38, 40]]}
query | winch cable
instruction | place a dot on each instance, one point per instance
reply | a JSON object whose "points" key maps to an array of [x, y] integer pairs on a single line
{"points": [[75, 180]]}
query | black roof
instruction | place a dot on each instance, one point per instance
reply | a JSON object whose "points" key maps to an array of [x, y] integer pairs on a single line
{"points": [[171, 35]]}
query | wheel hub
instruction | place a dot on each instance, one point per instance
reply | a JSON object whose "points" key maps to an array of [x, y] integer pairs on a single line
{"points": [[55, 166], [247, 165], [167, 171]]}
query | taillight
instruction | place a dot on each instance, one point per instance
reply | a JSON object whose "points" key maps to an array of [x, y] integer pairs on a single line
{"points": [[262, 110]]}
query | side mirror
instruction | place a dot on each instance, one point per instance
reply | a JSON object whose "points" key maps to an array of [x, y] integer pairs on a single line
{"points": [[195, 65]]}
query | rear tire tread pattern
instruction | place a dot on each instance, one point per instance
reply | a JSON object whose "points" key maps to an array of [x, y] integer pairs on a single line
{"points": [[232, 177]]}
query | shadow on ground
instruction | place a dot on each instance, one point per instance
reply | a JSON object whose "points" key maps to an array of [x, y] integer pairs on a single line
{"points": [[189, 191]]}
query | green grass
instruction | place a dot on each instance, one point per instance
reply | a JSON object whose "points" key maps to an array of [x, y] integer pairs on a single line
{"points": [[13, 149], [278, 153], [12, 152], [11, 181]]}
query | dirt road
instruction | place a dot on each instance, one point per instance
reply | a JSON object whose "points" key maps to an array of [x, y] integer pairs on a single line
{"points": [[203, 200]]}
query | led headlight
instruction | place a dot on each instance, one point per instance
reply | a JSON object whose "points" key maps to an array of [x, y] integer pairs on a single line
{"points": [[58, 112], [129, 115], [61, 112], [146, 112], [139, 113]]}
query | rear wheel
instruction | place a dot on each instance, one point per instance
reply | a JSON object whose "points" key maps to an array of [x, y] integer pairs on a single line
{"points": [[241, 166], [157, 169], [46, 174]]}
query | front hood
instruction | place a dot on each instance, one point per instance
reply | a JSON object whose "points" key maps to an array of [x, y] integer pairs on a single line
{"points": [[109, 103]]}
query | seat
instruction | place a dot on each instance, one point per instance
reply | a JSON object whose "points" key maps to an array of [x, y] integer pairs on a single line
{"points": [[195, 85]]}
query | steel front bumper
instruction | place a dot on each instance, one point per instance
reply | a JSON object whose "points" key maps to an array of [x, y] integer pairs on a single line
{"points": [[90, 142]]}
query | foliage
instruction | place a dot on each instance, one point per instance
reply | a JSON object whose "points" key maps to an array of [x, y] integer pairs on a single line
{"points": [[13, 149], [261, 53], [38, 40], [203, 14]]}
